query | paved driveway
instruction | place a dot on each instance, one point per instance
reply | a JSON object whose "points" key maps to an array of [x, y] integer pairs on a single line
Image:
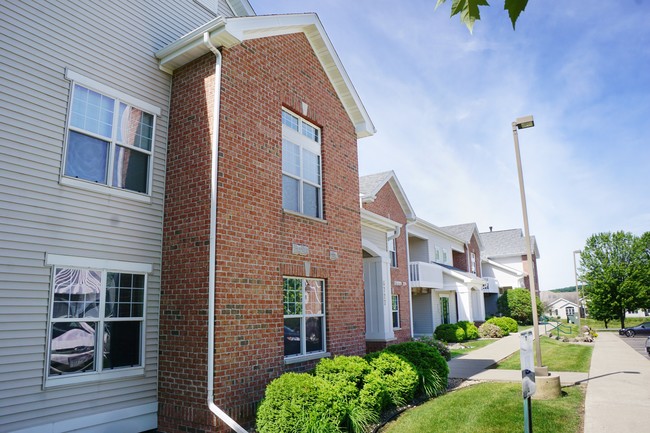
{"points": [[637, 343]]}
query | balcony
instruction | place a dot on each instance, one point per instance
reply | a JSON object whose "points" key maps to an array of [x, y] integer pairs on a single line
{"points": [[491, 285], [425, 275]]}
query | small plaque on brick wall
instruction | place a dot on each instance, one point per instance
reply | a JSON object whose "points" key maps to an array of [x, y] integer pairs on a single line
{"points": [[299, 249], [334, 255]]}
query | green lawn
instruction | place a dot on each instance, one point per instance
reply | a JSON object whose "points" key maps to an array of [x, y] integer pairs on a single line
{"points": [[613, 325], [558, 356], [471, 345], [491, 407]]}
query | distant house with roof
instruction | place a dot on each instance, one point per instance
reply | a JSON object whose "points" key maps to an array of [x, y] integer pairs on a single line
{"points": [[505, 258]]}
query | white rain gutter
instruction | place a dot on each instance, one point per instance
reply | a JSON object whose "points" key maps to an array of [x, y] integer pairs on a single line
{"points": [[212, 267]]}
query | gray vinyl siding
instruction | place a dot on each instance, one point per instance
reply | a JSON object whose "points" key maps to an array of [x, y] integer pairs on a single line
{"points": [[112, 43]]}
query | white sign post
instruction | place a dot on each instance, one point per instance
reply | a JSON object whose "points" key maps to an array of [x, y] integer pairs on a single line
{"points": [[527, 376]]}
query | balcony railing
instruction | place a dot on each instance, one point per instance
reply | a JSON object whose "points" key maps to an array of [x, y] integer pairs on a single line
{"points": [[426, 275], [491, 286]]}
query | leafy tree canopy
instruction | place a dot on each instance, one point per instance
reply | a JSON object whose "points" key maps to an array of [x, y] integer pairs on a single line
{"points": [[516, 303], [469, 10], [616, 268]]}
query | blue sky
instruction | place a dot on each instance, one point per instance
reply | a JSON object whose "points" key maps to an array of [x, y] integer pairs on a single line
{"points": [[443, 101]]}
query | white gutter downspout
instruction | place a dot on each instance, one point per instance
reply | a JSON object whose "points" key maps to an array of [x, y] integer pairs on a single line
{"points": [[213, 238], [408, 277]]}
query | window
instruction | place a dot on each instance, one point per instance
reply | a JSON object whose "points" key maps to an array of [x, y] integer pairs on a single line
{"points": [[392, 247], [304, 316], [96, 319], [437, 254], [444, 255], [301, 166], [472, 263], [570, 311], [395, 308], [110, 137]]}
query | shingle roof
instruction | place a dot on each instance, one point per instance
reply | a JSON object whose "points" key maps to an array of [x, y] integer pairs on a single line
{"points": [[461, 231], [372, 183], [506, 243]]}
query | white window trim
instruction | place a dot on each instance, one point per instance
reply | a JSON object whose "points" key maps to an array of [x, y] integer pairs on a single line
{"points": [[304, 142], [293, 359], [76, 78], [394, 311], [57, 260]]}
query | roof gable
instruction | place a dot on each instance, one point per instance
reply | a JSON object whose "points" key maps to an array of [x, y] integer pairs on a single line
{"points": [[228, 32], [370, 185], [465, 232], [504, 243]]}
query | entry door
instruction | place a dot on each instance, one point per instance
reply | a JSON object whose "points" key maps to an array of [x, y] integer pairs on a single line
{"points": [[444, 309]]}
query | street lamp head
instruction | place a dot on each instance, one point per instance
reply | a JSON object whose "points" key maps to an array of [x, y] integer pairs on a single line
{"points": [[524, 122]]}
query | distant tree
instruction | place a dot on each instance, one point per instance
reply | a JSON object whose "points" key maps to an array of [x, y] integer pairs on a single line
{"points": [[469, 10], [565, 289], [616, 268], [516, 303]]}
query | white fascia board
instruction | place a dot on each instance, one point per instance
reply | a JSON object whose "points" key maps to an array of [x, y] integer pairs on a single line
{"points": [[371, 219], [228, 32], [457, 244], [505, 268]]}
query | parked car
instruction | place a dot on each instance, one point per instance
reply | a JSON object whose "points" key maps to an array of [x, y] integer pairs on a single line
{"points": [[642, 329], [647, 345]]}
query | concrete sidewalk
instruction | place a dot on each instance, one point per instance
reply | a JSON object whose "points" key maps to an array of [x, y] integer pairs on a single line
{"points": [[476, 365], [618, 389]]}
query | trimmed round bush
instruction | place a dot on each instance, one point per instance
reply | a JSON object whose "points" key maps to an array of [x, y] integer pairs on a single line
{"points": [[350, 369], [399, 376], [437, 344], [507, 324], [471, 331], [489, 330], [300, 402], [450, 332], [430, 365]]}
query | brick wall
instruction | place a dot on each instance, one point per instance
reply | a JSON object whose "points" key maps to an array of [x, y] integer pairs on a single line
{"points": [[386, 204], [254, 235]]}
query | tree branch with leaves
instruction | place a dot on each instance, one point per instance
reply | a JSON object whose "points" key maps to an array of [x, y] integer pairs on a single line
{"points": [[469, 12]]}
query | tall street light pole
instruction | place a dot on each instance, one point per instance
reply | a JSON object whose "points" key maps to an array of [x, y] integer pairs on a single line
{"points": [[575, 271], [523, 123]]}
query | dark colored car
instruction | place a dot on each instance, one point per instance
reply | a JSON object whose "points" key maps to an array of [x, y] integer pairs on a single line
{"points": [[642, 329]]}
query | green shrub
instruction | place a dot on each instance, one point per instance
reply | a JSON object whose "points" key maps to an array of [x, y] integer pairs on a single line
{"points": [[516, 303], [430, 365], [450, 332], [350, 369], [441, 346], [399, 376], [490, 330], [301, 403], [507, 324], [471, 332]]}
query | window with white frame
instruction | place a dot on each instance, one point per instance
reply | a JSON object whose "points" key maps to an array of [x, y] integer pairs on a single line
{"points": [[395, 309], [472, 263], [437, 254], [444, 255], [304, 316], [110, 137], [301, 166], [392, 252], [97, 316], [570, 311]]}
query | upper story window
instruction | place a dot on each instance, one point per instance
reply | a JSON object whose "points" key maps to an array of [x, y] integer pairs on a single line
{"points": [[301, 166], [472, 263], [444, 255], [392, 252], [110, 137], [96, 323], [437, 254]]}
